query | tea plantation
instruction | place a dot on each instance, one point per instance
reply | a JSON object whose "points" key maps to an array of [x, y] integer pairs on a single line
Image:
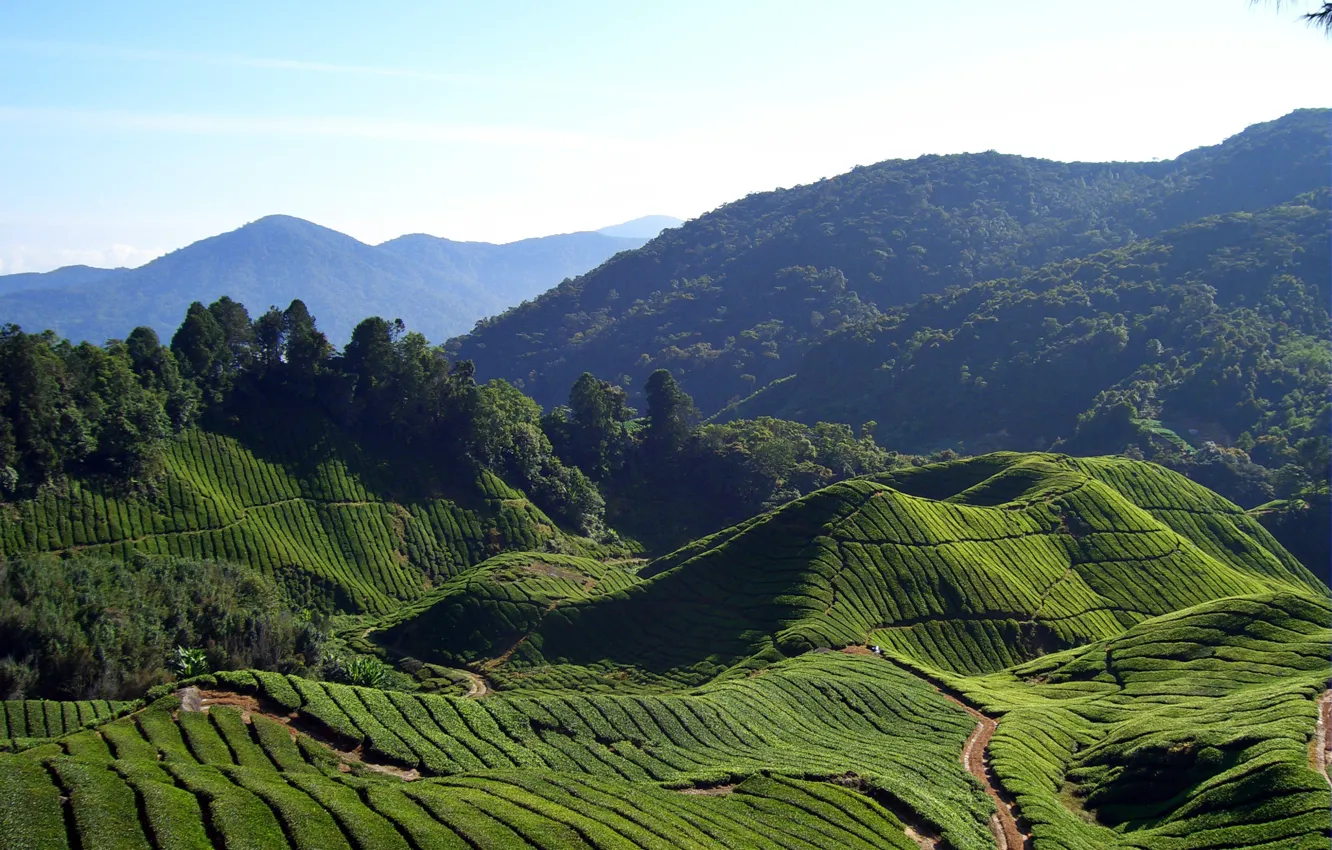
{"points": [[966, 567], [295, 519], [1075, 654]]}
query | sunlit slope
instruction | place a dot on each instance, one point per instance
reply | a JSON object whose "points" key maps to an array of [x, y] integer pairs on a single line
{"points": [[1193, 730], [311, 523], [969, 566], [286, 766], [24, 723]]}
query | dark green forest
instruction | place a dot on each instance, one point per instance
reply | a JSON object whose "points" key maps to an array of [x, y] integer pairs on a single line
{"points": [[1205, 349], [731, 301]]}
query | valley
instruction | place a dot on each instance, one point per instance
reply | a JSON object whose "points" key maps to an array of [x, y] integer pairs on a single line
{"points": [[959, 503]]}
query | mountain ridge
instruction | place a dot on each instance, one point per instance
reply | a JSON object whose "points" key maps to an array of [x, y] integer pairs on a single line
{"points": [[440, 285], [731, 300]]}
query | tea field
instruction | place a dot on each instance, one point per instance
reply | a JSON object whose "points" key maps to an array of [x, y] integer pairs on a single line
{"points": [[298, 520], [1075, 654]]}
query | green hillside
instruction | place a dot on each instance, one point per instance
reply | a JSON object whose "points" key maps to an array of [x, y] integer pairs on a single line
{"points": [[969, 566], [553, 771], [731, 301], [1188, 731], [485, 611], [1077, 654], [309, 521], [1207, 345]]}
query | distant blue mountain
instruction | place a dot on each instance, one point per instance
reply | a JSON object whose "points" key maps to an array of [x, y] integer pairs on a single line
{"points": [[437, 286], [647, 227]]}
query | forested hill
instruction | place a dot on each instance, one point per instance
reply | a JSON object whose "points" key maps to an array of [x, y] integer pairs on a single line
{"points": [[1212, 335], [730, 301], [441, 285]]}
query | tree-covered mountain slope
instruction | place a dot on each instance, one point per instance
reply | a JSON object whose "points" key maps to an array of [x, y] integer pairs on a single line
{"points": [[730, 301], [969, 566], [440, 285], [1212, 332], [315, 516]]}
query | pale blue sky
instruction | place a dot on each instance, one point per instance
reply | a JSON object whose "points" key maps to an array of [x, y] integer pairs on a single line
{"points": [[133, 128]]}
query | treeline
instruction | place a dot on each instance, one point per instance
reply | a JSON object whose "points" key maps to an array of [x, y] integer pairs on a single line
{"points": [[105, 412], [667, 480]]}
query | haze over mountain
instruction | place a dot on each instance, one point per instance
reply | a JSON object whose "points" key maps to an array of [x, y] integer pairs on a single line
{"points": [[646, 227], [438, 286]]}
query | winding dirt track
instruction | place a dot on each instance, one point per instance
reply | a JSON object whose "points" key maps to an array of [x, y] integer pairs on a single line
{"points": [[1007, 833]]}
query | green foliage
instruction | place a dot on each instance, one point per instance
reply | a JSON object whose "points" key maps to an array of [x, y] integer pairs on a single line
{"points": [[1204, 348], [89, 626], [363, 670], [84, 410], [732, 300], [188, 663]]}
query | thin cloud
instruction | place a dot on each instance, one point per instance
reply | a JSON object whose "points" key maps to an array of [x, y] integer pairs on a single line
{"points": [[19, 259], [319, 126], [136, 54]]}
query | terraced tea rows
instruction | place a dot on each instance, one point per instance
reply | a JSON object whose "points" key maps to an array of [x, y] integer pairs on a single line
{"points": [[1149, 664], [1189, 731], [23, 721], [310, 518], [555, 771], [1008, 557]]}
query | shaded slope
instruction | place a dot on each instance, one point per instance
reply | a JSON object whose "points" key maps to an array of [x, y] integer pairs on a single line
{"points": [[730, 301], [1215, 329], [60, 278], [315, 516], [486, 611], [1011, 556]]}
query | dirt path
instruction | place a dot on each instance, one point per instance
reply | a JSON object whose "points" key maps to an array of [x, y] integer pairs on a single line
{"points": [[975, 758], [194, 699], [1320, 748], [476, 687], [1008, 834]]}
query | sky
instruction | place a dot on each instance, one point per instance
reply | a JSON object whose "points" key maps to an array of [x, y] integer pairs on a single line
{"points": [[131, 129]]}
